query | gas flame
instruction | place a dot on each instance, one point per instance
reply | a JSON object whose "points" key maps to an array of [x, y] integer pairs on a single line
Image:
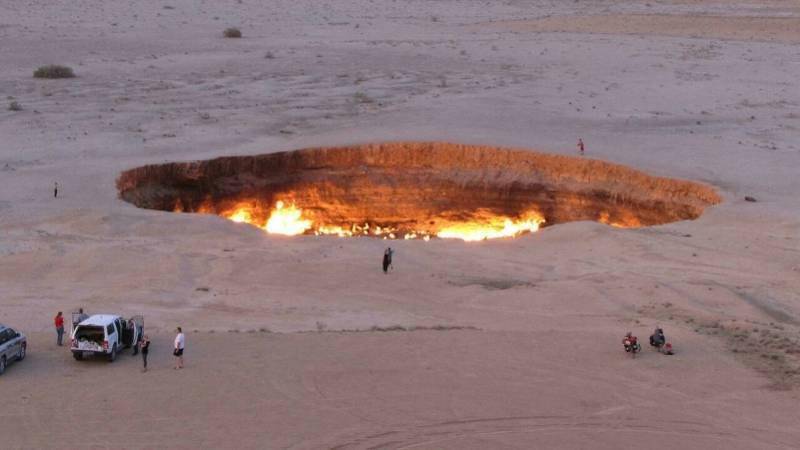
{"points": [[494, 227], [241, 216], [624, 222], [333, 230], [287, 220], [290, 220]]}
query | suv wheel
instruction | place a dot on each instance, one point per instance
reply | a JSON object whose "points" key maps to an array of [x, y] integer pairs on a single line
{"points": [[113, 355], [77, 355], [22, 351], [2, 365]]}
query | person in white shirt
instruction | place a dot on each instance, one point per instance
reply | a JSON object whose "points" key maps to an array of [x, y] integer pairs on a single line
{"points": [[180, 342]]}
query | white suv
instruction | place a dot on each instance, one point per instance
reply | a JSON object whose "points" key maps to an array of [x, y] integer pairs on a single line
{"points": [[13, 346], [105, 334]]}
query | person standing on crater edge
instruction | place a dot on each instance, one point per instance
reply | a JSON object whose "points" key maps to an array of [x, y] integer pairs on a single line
{"points": [[55, 190], [581, 147]]}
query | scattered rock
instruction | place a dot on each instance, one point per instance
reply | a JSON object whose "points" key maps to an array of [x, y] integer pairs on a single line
{"points": [[750, 199]]}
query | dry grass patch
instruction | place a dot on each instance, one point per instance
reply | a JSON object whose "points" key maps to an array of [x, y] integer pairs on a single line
{"points": [[770, 348], [53, 71], [234, 33], [361, 97]]}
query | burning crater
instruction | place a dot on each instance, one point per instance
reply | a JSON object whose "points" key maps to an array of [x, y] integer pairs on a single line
{"points": [[414, 190]]}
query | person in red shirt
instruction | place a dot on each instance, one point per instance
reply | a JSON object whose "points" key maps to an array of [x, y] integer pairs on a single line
{"points": [[59, 322], [630, 342]]}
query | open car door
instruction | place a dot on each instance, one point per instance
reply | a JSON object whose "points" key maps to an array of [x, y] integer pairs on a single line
{"points": [[138, 329]]}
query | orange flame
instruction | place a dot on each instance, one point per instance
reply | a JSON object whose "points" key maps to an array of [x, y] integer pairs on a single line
{"points": [[627, 221], [289, 220], [493, 228], [241, 216]]}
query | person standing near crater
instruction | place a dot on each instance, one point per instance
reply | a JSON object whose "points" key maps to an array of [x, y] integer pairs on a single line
{"points": [[55, 190], [581, 147], [387, 259]]}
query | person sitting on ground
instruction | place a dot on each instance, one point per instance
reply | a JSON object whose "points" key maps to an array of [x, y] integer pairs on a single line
{"points": [[629, 340], [657, 339], [667, 349]]}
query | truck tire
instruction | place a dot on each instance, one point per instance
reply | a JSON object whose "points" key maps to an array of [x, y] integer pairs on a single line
{"points": [[78, 356], [113, 355], [2, 365], [22, 351]]}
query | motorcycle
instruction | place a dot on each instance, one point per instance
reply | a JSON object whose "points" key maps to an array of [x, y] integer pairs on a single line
{"points": [[632, 346]]}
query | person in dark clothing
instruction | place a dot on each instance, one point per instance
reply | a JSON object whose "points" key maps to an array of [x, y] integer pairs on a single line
{"points": [[387, 259], [657, 339], [144, 345], [55, 190]]}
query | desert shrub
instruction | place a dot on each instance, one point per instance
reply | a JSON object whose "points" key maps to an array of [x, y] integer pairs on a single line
{"points": [[361, 97], [232, 33], [14, 106], [53, 71]]}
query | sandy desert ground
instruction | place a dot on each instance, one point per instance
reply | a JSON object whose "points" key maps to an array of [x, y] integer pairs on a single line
{"points": [[504, 344]]}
